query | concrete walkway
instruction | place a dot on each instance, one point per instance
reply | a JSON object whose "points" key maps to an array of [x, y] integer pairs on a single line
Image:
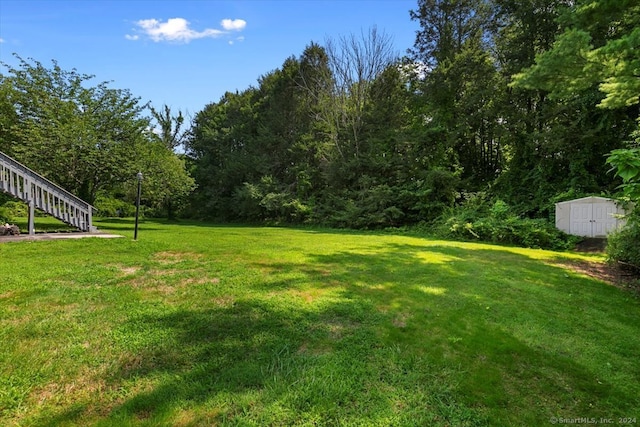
{"points": [[50, 236]]}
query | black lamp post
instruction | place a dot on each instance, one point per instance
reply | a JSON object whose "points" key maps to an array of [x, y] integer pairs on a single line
{"points": [[135, 232]]}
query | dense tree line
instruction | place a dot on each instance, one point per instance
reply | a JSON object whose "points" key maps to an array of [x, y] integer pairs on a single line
{"points": [[347, 134], [498, 110]]}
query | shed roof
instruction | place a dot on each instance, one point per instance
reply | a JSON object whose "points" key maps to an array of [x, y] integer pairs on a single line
{"points": [[588, 199]]}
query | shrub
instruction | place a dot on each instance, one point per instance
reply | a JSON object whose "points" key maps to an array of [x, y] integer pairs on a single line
{"points": [[16, 208], [267, 201], [372, 207], [496, 223], [110, 207], [13, 209], [5, 215], [435, 194], [280, 206], [624, 245], [246, 202]]}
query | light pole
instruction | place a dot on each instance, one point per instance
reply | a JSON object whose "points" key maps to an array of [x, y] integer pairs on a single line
{"points": [[135, 231]]}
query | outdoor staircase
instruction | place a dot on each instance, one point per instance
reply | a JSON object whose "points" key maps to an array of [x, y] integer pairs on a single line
{"points": [[42, 194]]}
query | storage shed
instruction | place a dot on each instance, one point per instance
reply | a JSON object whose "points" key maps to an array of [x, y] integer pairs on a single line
{"points": [[589, 216]]}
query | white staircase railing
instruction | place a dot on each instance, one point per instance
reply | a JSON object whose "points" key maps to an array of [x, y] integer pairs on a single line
{"points": [[39, 193]]}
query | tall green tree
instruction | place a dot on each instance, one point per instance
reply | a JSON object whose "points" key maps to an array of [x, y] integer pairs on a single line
{"points": [[171, 173], [169, 128], [462, 86], [220, 143], [521, 30], [166, 181], [594, 61], [83, 137], [598, 47], [258, 150]]}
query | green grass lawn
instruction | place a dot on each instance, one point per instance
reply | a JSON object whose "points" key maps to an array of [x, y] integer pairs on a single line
{"points": [[196, 324]]}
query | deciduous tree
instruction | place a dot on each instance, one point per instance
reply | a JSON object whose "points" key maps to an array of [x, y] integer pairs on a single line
{"points": [[80, 136]]}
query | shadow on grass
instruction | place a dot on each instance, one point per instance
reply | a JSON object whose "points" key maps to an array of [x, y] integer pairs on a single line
{"points": [[249, 356], [422, 335], [500, 311]]}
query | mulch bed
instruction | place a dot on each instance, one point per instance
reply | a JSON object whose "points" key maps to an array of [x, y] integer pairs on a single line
{"points": [[616, 274]]}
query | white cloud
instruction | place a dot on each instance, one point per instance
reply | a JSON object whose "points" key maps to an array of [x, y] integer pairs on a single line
{"points": [[233, 25], [173, 30], [130, 37], [237, 39], [1, 40]]}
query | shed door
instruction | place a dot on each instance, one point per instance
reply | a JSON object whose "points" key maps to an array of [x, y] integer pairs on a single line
{"points": [[603, 219], [592, 219], [582, 219]]}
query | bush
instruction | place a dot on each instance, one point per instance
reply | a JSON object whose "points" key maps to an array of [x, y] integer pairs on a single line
{"points": [[624, 245], [246, 202], [13, 209], [110, 207], [435, 194], [496, 223], [267, 201], [16, 208], [372, 207], [5, 215]]}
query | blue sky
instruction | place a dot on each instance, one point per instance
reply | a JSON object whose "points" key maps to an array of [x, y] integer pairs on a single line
{"points": [[187, 54]]}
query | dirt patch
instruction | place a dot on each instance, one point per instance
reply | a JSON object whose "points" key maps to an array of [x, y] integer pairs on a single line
{"points": [[224, 301], [198, 281], [164, 272], [400, 321], [614, 274], [171, 257], [138, 282], [127, 270], [171, 288], [307, 296], [619, 275], [7, 295], [313, 350], [69, 389]]}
